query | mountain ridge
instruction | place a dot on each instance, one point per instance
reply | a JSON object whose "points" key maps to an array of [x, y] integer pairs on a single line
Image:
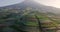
{"points": [[33, 4]]}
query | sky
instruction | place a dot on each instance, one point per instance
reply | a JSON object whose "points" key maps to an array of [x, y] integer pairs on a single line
{"points": [[54, 3], [9, 2]]}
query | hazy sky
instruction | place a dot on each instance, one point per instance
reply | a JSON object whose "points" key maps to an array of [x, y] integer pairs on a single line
{"points": [[54, 3], [9, 2]]}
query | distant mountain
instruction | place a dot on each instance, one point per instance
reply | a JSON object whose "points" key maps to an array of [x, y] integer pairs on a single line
{"points": [[34, 5]]}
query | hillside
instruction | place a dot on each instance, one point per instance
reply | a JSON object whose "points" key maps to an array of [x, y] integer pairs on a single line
{"points": [[21, 17]]}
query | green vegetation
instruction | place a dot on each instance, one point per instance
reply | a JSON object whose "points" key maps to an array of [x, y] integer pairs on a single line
{"points": [[19, 21]]}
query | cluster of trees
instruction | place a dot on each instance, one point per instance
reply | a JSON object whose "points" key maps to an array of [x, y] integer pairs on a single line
{"points": [[11, 22]]}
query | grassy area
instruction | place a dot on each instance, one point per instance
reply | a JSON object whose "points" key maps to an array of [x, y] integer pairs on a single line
{"points": [[44, 18]]}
